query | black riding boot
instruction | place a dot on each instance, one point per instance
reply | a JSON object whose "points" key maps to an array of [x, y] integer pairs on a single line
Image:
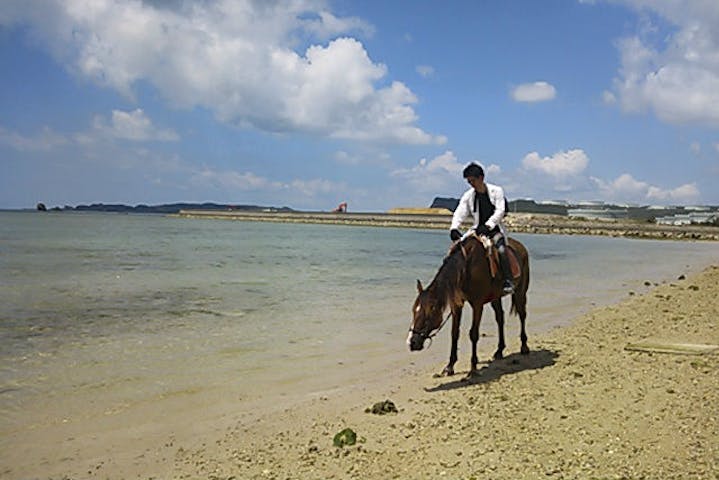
{"points": [[507, 285]]}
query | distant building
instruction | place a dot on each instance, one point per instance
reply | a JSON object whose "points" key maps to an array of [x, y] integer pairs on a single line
{"points": [[591, 203], [689, 218], [598, 213]]}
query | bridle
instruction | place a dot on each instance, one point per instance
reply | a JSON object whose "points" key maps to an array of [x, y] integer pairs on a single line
{"points": [[432, 334], [429, 336]]}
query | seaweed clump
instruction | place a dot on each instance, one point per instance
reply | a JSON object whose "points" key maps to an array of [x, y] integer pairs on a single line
{"points": [[382, 408]]}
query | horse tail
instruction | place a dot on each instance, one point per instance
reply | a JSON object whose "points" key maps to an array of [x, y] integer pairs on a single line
{"points": [[519, 297]]}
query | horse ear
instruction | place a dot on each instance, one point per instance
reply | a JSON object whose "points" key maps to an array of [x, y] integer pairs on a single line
{"points": [[419, 286]]}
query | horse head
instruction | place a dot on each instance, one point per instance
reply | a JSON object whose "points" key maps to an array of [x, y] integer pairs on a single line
{"points": [[426, 318]]}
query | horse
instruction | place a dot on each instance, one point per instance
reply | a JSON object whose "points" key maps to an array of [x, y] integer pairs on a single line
{"points": [[466, 275]]}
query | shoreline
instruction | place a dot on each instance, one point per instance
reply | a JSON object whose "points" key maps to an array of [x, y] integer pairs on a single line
{"points": [[515, 222], [579, 406]]}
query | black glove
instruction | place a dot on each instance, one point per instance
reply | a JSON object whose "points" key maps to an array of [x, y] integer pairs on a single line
{"points": [[482, 230], [455, 234]]}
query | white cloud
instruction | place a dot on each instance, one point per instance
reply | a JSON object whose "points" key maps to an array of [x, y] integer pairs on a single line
{"points": [[534, 92], [492, 170], [675, 76], [432, 176], [239, 58], [686, 193], [315, 187], [232, 180], [559, 165], [346, 158], [326, 25], [135, 126], [46, 140], [627, 188], [609, 98], [425, 70], [622, 188]]}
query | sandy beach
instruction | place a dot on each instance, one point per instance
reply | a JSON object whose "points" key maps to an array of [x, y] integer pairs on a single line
{"points": [[580, 405]]}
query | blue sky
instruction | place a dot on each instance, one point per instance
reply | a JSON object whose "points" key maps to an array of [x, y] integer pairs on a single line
{"points": [[381, 104]]}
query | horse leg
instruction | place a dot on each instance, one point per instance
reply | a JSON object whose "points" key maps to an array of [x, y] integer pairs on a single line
{"points": [[474, 336], [521, 306], [456, 318], [499, 317]]}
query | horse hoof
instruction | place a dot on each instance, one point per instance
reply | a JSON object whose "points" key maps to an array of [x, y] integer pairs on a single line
{"points": [[498, 356], [524, 350], [448, 372]]}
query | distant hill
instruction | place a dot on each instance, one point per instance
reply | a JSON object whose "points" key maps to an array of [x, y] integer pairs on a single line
{"points": [[448, 203], [170, 208]]}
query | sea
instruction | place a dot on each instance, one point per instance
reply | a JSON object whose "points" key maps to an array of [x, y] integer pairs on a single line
{"points": [[105, 313]]}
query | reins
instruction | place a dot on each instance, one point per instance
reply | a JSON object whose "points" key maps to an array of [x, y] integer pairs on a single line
{"points": [[437, 330]]}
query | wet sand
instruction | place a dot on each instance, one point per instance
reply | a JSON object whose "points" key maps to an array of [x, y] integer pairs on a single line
{"points": [[578, 406]]}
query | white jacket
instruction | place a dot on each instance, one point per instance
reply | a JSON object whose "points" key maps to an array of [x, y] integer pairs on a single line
{"points": [[466, 205]]}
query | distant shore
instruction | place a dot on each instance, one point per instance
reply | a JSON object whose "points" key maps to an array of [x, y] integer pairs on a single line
{"points": [[516, 222]]}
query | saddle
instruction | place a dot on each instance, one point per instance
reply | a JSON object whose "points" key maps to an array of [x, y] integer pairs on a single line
{"points": [[493, 257]]}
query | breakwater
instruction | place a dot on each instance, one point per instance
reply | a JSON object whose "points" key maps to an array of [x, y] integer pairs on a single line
{"points": [[516, 222]]}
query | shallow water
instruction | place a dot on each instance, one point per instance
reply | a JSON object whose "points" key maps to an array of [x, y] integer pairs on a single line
{"points": [[103, 313]]}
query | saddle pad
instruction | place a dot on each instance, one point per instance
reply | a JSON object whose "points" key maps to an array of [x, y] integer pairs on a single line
{"points": [[513, 263]]}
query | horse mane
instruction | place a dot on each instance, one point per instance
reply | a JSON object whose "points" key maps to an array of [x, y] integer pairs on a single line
{"points": [[447, 283]]}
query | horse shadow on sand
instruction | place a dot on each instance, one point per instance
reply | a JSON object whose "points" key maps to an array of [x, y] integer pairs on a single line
{"points": [[495, 369]]}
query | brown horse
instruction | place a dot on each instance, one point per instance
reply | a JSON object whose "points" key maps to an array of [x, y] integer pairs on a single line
{"points": [[465, 275]]}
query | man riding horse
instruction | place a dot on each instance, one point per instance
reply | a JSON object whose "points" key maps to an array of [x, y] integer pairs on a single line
{"points": [[487, 204]]}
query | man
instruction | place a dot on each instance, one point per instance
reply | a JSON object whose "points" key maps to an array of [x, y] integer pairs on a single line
{"points": [[487, 204]]}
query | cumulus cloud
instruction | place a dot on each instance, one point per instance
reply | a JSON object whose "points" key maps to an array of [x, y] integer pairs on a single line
{"points": [[674, 76], [241, 59], [326, 25], [627, 188], [492, 170], [623, 187], [686, 193], [534, 92], [135, 126], [432, 176], [559, 165]]}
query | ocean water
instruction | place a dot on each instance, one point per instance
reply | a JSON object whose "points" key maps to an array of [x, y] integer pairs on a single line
{"points": [[102, 313]]}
